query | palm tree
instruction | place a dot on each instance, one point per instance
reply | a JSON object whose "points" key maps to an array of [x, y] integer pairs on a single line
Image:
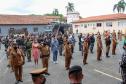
{"points": [[55, 12], [70, 7], [120, 6]]}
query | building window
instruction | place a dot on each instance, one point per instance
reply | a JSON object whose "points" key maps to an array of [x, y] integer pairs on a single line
{"points": [[120, 24], [108, 24], [11, 28], [85, 26], [76, 26], [35, 29], [49, 27], [25, 29], [81, 25], [93, 25], [99, 24]]}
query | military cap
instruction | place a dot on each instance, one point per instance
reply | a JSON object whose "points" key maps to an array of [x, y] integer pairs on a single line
{"points": [[37, 72], [75, 68]]}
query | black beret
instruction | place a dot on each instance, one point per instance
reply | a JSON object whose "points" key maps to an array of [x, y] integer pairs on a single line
{"points": [[75, 68]]}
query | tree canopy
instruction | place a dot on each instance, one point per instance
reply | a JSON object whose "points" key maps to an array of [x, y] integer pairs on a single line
{"points": [[120, 6], [55, 12], [70, 7]]}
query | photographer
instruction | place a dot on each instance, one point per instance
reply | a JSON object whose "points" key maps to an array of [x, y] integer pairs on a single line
{"points": [[123, 65]]}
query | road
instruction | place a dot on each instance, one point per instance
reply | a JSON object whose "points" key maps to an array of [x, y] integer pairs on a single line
{"points": [[95, 72]]}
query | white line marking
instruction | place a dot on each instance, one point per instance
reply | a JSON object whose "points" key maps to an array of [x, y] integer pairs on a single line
{"points": [[107, 75]]}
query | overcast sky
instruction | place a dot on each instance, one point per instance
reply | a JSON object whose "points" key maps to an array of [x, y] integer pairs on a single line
{"points": [[84, 7]]}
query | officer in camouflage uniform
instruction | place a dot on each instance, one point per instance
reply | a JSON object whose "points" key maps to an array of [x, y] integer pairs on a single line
{"points": [[92, 41], [28, 49]]}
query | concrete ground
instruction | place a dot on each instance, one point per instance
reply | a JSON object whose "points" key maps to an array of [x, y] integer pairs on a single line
{"points": [[95, 72]]}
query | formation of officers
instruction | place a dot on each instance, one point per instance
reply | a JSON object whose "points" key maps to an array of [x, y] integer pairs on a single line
{"points": [[40, 47], [86, 44]]}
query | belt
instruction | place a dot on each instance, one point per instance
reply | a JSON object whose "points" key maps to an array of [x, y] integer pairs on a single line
{"points": [[45, 56]]}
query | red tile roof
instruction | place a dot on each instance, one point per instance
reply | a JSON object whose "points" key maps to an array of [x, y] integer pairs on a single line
{"points": [[102, 18], [26, 19]]}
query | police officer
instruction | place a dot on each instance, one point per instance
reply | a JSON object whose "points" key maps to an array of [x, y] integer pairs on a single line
{"points": [[37, 76], [114, 43], [85, 50], [119, 34], [68, 55], [17, 60], [65, 40], [45, 54], [108, 43], [10, 47], [113, 33], [99, 48], [88, 39]]}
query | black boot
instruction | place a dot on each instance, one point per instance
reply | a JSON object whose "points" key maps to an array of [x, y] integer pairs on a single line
{"points": [[20, 80], [91, 51], [107, 55], [17, 82]]}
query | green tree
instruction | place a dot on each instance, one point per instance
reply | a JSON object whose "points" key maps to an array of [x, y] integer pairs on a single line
{"points": [[120, 6], [70, 7], [55, 12]]}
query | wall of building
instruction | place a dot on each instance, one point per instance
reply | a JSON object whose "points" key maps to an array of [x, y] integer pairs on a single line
{"points": [[4, 29], [92, 27], [72, 17]]}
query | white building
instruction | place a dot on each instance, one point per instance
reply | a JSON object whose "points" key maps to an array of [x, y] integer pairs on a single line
{"points": [[100, 23], [72, 16]]}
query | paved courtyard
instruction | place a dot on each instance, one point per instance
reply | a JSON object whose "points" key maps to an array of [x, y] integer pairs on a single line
{"points": [[103, 72]]}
